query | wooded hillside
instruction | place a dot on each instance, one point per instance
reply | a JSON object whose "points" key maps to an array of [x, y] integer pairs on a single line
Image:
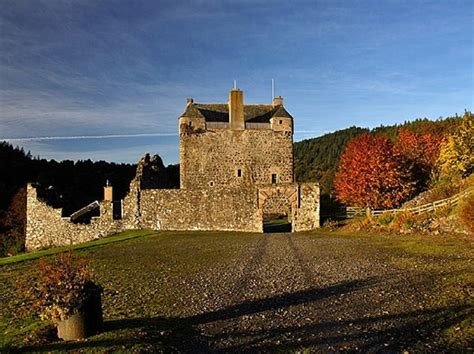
{"points": [[316, 159]]}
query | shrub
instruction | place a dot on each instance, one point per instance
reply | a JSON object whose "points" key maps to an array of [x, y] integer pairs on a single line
{"points": [[403, 222], [359, 224], [444, 187], [330, 225], [385, 219], [442, 212], [60, 286], [466, 213]]}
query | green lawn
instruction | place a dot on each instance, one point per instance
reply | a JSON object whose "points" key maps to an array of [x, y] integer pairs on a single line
{"points": [[127, 235]]}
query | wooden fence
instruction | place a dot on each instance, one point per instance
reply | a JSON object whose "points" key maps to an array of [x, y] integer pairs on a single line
{"points": [[451, 201]]}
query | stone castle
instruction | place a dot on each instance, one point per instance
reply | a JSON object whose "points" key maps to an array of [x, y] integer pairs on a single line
{"points": [[236, 170]]}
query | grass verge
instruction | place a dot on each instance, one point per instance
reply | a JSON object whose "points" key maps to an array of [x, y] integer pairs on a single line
{"points": [[126, 235]]}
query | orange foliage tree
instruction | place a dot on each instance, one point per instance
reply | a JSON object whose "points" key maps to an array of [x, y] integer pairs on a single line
{"points": [[418, 155], [370, 174]]}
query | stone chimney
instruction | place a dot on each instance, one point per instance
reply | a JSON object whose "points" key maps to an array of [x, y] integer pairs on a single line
{"points": [[236, 109], [277, 101], [189, 101], [108, 192]]}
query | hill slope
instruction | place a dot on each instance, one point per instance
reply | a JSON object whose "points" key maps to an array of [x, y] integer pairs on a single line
{"points": [[316, 159]]}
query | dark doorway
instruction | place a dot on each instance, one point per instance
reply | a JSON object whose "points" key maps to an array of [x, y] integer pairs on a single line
{"points": [[117, 210], [276, 223]]}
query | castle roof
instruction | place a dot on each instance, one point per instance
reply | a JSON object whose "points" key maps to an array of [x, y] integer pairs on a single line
{"points": [[219, 112]]}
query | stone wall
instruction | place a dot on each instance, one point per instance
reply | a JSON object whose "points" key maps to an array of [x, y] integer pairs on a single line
{"points": [[213, 157], [277, 204], [229, 209], [217, 208], [45, 227], [307, 215]]}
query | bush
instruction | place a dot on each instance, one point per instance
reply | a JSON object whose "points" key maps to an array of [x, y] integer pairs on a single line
{"points": [[60, 286], [466, 213], [444, 187], [13, 224], [385, 219], [11, 242], [359, 224], [408, 222], [330, 225]]}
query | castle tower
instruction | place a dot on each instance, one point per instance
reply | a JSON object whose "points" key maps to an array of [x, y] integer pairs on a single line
{"points": [[234, 144]]}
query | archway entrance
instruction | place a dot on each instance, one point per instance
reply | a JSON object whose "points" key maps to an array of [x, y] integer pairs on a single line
{"points": [[277, 205], [276, 223]]}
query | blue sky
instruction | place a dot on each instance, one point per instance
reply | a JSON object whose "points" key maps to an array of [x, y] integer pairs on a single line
{"points": [[75, 68]]}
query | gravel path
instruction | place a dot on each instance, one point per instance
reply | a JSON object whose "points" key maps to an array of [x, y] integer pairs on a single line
{"points": [[292, 292]]}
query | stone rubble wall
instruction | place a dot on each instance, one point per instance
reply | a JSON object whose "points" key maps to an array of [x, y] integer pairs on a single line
{"points": [[45, 227], [224, 209], [218, 209], [277, 204], [214, 156], [307, 214]]}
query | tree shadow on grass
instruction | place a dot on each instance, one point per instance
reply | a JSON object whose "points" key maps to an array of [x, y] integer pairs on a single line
{"points": [[394, 331]]}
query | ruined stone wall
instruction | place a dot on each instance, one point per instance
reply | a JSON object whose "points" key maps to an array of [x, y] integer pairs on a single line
{"points": [[307, 214], [45, 227], [218, 208], [206, 209], [213, 157], [131, 206]]}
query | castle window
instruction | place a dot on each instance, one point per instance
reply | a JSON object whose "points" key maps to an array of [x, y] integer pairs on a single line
{"points": [[281, 122], [239, 173], [211, 184], [274, 178]]}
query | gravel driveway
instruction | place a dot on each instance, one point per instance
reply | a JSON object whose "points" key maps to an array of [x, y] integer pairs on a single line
{"points": [[291, 292]]}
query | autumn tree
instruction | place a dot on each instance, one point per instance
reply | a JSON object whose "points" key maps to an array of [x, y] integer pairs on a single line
{"points": [[370, 174], [457, 154], [418, 155]]}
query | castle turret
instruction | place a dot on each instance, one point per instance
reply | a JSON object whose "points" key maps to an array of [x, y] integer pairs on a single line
{"points": [[281, 120], [236, 109], [192, 119]]}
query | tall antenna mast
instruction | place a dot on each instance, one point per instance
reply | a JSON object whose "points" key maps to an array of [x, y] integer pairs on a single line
{"points": [[235, 84], [273, 89]]}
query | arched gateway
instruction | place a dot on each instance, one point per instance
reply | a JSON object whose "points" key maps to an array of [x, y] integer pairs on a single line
{"points": [[278, 204]]}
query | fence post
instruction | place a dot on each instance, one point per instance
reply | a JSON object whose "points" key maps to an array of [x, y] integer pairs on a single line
{"points": [[368, 212]]}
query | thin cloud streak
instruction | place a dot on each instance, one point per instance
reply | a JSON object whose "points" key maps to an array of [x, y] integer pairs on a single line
{"points": [[88, 137]]}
